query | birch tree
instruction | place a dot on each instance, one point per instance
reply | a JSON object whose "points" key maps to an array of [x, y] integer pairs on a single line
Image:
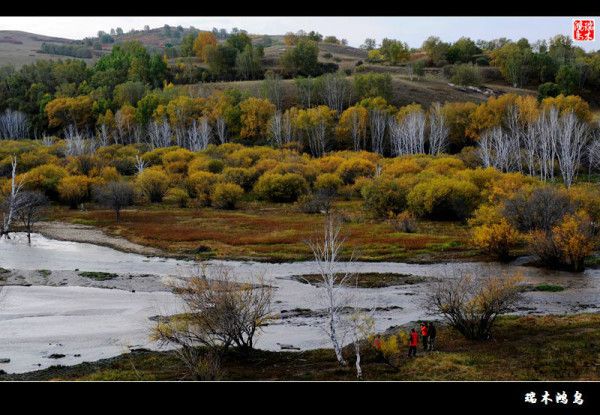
{"points": [[204, 134], [572, 139], [31, 207], [75, 142], [221, 128], [12, 200], [326, 250], [438, 130], [593, 154], [276, 129], [159, 133], [13, 125], [335, 91], [377, 122]]}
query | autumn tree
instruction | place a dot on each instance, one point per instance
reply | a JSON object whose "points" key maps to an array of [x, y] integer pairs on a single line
{"points": [[394, 51], [115, 195], [496, 238], [255, 116], [353, 124], [74, 190], [203, 40], [471, 304], [62, 112]]}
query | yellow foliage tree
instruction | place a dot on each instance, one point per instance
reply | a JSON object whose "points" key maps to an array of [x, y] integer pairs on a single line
{"points": [[496, 238], [353, 126], [574, 239], [256, 113], [153, 183], [65, 111], [74, 190], [569, 103], [201, 43]]}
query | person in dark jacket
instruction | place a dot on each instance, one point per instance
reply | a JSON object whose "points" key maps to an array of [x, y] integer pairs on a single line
{"points": [[412, 344], [431, 332], [424, 335]]}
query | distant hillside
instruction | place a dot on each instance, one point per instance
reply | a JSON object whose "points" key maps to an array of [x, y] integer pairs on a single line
{"points": [[20, 48]]}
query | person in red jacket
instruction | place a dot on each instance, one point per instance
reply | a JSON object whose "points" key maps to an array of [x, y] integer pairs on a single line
{"points": [[424, 334], [412, 345]]}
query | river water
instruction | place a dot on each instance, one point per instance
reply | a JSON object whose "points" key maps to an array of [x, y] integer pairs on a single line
{"points": [[65, 314]]}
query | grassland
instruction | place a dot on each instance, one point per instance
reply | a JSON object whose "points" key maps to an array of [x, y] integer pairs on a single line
{"points": [[523, 348], [273, 232], [21, 48]]}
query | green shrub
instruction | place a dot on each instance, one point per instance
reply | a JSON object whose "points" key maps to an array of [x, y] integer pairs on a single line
{"points": [[226, 195], [328, 182], [215, 166], [353, 168], [466, 74], [382, 196], [153, 183], [548, 89], [177, 196], [280, 187], [443, 198], [242, 176]]}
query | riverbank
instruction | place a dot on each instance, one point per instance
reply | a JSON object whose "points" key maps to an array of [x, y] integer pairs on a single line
{"points": [[89, 302], [77, 232], [523, 348], [258, 231]]}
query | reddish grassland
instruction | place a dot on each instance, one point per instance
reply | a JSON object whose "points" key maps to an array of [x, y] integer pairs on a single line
{"points": [[261, 231]]}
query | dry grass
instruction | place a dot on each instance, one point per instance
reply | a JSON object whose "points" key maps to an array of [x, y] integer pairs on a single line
{"points": [[275, 232], [523, 348]]}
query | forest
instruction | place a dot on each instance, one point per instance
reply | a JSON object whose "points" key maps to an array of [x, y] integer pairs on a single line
{"points": [[210, 148]]}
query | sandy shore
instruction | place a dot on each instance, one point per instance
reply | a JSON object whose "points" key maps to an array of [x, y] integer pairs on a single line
{"points": [[65, 231]]}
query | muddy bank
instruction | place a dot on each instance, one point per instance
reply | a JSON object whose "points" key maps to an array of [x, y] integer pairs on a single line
{"points": [[64, 231], [75, 278]]}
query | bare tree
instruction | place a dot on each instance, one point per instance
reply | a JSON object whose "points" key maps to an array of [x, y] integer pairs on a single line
{"points": [[377, 121], [221, 130], [548, 132], [31, 207], [75, 141], [438, 130], [335, 91], [103, 135], [514, 133], [408, 135], [288, 132], [472, 304], [115, 195], [198, 135], [219, 311], [318, 138], [159, 133], [140, 164], [272, 89], [276, 129], [593, 156], [361, 326], [47, 141], [358, 131], [13, 124], [572, 139], [495, 149], [326, 250], [531, 142], [305, 88], [12, 201]]}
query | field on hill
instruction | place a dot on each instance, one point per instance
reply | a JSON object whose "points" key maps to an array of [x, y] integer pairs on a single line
{"points": [[21, 48]]}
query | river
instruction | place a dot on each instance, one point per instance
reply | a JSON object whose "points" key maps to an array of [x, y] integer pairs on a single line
{"points": [[57, 312]]}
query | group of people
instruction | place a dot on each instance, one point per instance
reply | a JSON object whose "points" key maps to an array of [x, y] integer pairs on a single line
{"points": [[427, 332]]}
